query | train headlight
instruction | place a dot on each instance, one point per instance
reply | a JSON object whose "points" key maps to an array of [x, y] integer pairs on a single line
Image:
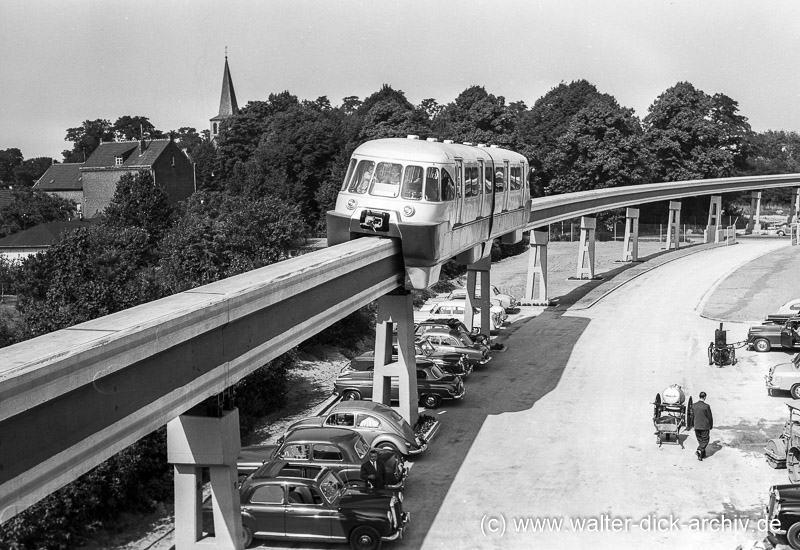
{"points": [[351, 204], [408, 211]]}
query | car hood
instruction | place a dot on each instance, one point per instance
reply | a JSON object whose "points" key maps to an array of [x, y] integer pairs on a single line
{"points": [[789, 492], [360, 498]]}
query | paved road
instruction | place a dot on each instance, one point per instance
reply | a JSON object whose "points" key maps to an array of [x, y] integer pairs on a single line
{"points": [[559, 427]]}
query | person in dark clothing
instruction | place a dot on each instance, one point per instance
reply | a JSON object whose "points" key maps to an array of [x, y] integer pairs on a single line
{"points": [[372, 471], [703, 424]]}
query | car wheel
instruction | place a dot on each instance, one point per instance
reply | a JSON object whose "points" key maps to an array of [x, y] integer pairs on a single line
{"points": [[431, 401], [793, 536], [781, 233], [795, 391], [247, 536], [365, 538], [351, 395], [762, 345]]}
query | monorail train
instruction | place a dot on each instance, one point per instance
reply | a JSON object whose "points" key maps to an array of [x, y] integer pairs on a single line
{"points": [[441, 199]]}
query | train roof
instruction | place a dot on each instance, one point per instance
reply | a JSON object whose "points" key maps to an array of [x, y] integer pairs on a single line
{"points": [[406, 149]]}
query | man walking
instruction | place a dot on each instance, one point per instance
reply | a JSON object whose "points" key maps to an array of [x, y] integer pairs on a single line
{"points": [[703, 424]]}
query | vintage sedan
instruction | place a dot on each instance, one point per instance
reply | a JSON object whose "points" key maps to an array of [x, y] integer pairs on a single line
{"points": [[479, 340], [433, 385], [380, 425], [451, 362], [785, 376], [340, 449], [456, 308], [506, 301], [313, 504], [454, 341], [765, 337]]}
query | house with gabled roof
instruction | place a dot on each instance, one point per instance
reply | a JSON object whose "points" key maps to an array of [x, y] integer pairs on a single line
{"points": [[38, 238], [170, 166], [63, 180]]}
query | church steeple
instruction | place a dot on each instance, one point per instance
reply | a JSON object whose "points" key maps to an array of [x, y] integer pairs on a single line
{"points": [[227, 101]]}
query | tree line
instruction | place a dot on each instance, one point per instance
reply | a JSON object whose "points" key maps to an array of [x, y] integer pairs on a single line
{"points": [[267, 183]]}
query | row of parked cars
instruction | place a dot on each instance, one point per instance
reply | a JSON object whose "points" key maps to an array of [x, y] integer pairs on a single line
{"points": [[310, 486]]}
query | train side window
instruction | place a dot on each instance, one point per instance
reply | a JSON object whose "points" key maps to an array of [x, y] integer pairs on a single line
{"points": [[516, 178], [362, 177], [350, 169], [488, 178], [471, 181], [432, 185], [412, 183], [499, 181], [448, 187]]}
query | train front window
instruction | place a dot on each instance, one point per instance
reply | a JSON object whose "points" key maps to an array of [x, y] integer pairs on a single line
{"points": [[412, 183], [387, 180], [432, 185], [362, 177], [351, 167]]}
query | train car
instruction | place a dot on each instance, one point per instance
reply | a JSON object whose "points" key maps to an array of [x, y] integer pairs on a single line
{"points": [[441, 199]]}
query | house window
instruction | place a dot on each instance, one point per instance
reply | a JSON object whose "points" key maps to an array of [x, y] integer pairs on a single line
{"points": [[118, 161], [173, 160]]}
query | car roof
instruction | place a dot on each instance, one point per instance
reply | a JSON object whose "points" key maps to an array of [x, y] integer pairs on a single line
{"points": [[359, 405], [313, 434], [443, 331]]}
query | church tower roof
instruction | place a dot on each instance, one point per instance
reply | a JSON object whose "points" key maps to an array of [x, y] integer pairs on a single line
{"points": [[227, 101]]}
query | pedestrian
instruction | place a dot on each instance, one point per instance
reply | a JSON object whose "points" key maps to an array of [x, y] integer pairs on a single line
{"points": [[703, 424], [372, 471]]}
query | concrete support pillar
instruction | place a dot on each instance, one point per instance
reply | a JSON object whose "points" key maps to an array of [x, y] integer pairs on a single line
{"points": [[586, 248], [674, 225], [755, 212], [537, 267], [480, 268], [630, 252], [195, 443], [396, 310], [712, 232], [794, 215], [794, 234]]}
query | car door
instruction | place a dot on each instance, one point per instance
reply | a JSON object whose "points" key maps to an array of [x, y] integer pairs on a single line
{"points": [[265, 510], [789, 337], [307, 514]]}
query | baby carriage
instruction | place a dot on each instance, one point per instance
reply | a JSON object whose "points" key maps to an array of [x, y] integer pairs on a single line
{"points": [[670, 415]]}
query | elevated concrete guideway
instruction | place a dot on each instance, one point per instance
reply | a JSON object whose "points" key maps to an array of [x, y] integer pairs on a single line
{"points": [[73, 398]]}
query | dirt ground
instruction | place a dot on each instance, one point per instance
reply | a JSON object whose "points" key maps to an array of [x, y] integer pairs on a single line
{"points": [[746, 294]]}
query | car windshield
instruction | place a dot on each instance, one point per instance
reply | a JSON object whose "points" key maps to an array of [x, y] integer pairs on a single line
{"points": [[464, 339], [436, 372], [396, 416], [330, 486]]}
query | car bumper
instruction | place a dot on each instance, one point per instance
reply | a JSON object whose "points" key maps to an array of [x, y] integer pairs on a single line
{"points": [[770, 384], [418, 450], [484, 361], [460, 394], [405, 518]]}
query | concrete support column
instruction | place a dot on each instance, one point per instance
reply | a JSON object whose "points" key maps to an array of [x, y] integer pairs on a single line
{"points": [[794, 215], [537, 267], [396, 310], [480, 268], [630, 252], [586, 248], [714, 217], [195, 443], [794, 234], [755, 212], [674, 225]]}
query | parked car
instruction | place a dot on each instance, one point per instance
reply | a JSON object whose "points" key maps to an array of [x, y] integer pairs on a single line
{"points": [[380, 425], [433, 385], [454, 341], [768, 336], [506, 301], [460, 294], [783, 513], [450, 362], [785, 376], [792, 307], [456, 308], [447, 323], [340, 449], [281, 502]]}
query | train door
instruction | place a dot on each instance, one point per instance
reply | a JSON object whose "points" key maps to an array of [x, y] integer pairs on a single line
{"points": [[459, 191], [488, 187], [506, 187]]}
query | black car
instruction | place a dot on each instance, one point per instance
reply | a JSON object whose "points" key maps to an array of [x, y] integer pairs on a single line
{"points": [[783, 513], [283, 502], [451, 362], [433, 385], [451, 323]]}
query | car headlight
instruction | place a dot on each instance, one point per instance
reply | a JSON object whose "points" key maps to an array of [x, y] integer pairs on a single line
{"points": [[408, 211], [351, 204]]}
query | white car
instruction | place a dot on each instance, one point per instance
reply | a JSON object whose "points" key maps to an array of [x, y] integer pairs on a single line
{"points": [[456, 308], [506, 301], [792, 307]]}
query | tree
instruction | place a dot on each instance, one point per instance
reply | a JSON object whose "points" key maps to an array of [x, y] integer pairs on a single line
{"points": [[86, 138], [93, 272], [132, 128], [387, 113], [27, 173], [602, 147], [32, 207], [478, 117], [221, 235], [139, 203], [693, 135], [10, 159]]}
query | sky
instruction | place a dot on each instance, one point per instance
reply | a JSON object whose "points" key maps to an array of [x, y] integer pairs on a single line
{"points": [[66, 61]]}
